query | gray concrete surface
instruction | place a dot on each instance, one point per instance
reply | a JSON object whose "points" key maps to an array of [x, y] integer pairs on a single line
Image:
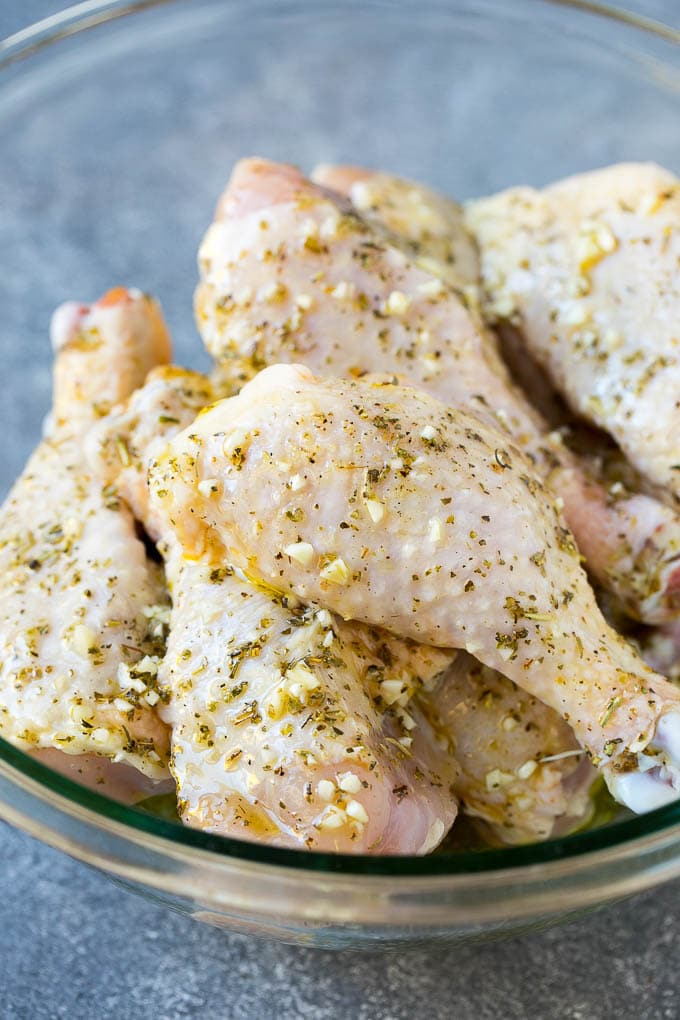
{"points": [[73, 945]]}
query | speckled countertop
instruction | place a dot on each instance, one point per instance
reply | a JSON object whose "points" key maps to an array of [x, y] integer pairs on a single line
{"points": [[73, 945]]}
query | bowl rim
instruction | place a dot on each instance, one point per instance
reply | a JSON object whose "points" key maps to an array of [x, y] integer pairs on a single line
{"points": [[623, 834], [89, 14]]}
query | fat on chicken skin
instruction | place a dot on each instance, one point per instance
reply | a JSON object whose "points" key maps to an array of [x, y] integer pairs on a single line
{"points": [[383, 505], [79, 600], [290, 272]]}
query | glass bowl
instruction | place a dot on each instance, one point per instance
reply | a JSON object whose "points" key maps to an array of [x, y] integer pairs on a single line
{"points": [[119, 122]]}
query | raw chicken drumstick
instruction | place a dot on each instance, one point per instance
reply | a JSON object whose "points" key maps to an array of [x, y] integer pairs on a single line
{"points": [[290, 274], [587, 270], [379, 503], [283, 724], [430, 229], [503, 735], [289, 726], [79, 601], [522, 772]]}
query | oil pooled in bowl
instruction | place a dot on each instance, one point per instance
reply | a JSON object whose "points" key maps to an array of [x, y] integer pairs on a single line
{"points": [[465, 836]]}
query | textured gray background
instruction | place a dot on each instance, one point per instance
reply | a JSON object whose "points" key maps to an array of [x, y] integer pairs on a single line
{"points": [[73, 945]]}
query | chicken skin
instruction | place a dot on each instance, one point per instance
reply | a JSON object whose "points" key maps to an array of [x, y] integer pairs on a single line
{"points": [[289, 273], [80, 604], [385, 506], [587, 271]]}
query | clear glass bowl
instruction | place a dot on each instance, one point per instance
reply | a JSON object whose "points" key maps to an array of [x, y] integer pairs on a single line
{"points": [[119, 122]]}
